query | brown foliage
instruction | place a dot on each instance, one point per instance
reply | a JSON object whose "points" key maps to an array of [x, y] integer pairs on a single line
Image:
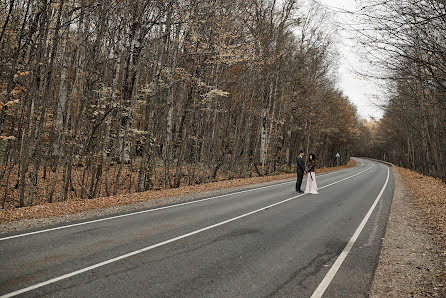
{"points": [[147, 94], [74, 206], [430, 196]]}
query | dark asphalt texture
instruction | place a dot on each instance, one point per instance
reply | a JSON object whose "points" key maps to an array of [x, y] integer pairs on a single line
{"points": [[283, 251]]}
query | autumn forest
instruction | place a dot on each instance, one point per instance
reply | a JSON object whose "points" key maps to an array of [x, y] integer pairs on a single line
{"points": [[406, 41], [100, 98]]}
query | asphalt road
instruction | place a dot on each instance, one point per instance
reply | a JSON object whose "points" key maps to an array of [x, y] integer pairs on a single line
{"points": [[259, 243]]}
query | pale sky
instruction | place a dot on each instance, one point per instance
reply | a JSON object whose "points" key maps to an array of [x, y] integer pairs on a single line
{"points": [[361, 91]]}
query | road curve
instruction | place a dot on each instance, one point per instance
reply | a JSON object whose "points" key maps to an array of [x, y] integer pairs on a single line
{"points": [[265, 242]]}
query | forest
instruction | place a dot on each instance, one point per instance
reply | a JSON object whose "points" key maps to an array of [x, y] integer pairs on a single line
{"points": [[406, 40], [100, 98]]}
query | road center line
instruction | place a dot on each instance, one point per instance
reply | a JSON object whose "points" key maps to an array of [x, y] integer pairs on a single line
{"points": [[65, 276], [149, 210], [337, 264]]}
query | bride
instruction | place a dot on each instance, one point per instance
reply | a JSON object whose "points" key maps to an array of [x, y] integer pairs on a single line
{"points": [[311, 179]]}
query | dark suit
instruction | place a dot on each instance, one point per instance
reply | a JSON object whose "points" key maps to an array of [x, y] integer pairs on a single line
{"points": [[300, 171]]}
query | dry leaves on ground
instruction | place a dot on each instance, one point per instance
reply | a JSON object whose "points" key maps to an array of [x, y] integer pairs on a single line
{"points": [[430, 197], [74, 206]]}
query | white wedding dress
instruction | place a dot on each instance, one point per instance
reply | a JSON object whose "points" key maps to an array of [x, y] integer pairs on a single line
{"points": [[311, 184]]}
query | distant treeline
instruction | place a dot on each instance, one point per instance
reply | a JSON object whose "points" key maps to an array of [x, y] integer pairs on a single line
{"points": [[410, 39]]}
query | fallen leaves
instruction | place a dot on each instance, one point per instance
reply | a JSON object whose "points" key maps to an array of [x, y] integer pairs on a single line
{"points": [[44, 210], [429, 195]]}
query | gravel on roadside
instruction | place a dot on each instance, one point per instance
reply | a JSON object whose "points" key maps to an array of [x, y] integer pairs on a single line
{"points": [[410, 264]]}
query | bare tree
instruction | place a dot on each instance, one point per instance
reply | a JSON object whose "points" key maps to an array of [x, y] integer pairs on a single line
{"points": [[103, 98]]}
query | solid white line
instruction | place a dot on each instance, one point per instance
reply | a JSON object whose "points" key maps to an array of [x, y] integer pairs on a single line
{"points": [[146, 211], [65, 276], [138, 212], [332, 272]]}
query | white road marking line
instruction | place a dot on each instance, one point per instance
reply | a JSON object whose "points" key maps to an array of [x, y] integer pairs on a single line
{"points": [[146, 211], [337, 264], [65, 276]]}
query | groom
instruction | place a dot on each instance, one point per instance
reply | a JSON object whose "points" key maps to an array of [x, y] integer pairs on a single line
{"points": [[300, 170]]}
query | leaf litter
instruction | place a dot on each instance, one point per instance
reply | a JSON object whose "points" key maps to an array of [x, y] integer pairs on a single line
{"points": [[73, 206], [429, 195]]}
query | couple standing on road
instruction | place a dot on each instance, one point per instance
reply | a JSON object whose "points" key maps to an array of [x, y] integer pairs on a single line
{"points": [[301, 170]]}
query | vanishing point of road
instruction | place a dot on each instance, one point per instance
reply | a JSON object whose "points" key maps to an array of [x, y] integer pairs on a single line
{"points": [[259, 242]]}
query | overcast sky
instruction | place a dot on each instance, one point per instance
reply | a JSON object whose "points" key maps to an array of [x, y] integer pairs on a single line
{"points": [[362, 92]]}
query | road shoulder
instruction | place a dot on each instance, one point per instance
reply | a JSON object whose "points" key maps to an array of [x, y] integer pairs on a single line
{"points": [[409, 263], [54, 214]]}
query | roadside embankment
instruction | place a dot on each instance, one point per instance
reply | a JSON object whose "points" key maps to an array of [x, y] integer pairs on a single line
{"points": [[413, 256], [57, 212]]}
